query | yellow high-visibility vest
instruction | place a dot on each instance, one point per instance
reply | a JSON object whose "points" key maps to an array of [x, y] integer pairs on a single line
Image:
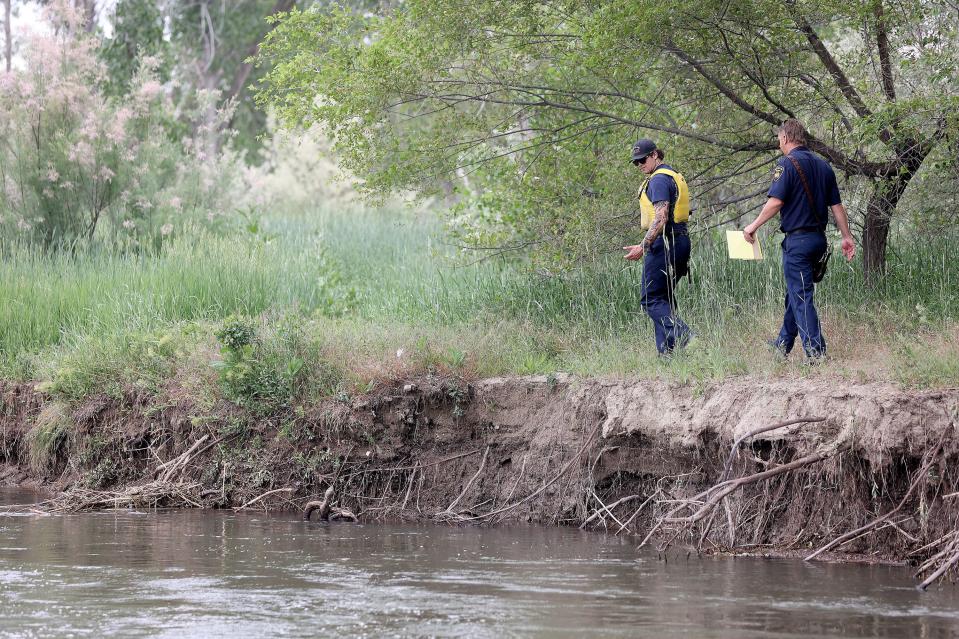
{"points": [[680, 210]]}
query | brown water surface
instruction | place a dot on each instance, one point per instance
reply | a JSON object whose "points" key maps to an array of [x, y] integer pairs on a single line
{"points": [[216, 574]]}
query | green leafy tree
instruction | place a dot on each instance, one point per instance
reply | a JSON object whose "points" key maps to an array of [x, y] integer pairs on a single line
{"points": [[530, 107], [204, 45], [137, 31]]}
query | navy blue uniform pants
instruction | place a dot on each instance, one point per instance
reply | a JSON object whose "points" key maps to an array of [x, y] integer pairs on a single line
{"points": [[800, 251], [666, 261]]}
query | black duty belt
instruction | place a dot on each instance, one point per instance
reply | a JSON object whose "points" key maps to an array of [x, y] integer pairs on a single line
{"points": [[805, 230]]}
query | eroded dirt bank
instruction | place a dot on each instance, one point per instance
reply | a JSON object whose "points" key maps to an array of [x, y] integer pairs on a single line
{"points": [[629, 456]]}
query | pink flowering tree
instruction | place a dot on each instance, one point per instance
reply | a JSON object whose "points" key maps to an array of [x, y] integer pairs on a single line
{"points": [[76, 165]]}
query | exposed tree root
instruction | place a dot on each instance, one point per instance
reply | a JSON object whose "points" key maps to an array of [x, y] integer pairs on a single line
{"points": [[555, 478], [708, 499], [918, 477], [450, 509], [702, 505]]}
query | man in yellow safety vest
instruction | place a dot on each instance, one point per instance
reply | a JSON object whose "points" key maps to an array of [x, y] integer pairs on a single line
{"points": [[664, 209]]}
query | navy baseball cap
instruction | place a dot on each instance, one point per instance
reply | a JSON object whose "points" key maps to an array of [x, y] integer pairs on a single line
{"points": [[642, 148]]}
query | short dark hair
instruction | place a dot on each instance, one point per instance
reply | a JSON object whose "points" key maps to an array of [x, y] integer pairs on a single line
{"points": [[794, 131], [660, 153]]}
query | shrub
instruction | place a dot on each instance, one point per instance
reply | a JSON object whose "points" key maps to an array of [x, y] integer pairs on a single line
{"points": [[76, 164]]}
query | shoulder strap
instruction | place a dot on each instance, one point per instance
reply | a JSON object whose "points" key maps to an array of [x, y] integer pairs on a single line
{"points": [[805, 184], [668, 172], [642, 188]]}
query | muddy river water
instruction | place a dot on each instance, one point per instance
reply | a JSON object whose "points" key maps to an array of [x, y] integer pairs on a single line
{"points": [[213, 574]]}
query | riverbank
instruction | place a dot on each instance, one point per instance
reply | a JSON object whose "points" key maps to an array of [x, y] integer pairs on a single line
{"points": [[616, 454]]}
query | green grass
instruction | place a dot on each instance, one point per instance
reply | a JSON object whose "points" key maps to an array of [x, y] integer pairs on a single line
{"points": [[366, 285]]}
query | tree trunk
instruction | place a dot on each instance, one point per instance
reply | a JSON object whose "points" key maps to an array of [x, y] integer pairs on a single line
{"points": [[875, 235], [89, 11], [243, 71], [7, 37]]}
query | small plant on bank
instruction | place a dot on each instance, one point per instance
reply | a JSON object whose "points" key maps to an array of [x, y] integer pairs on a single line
{"points": [[243, 376], [460, 397], [265, 373]]}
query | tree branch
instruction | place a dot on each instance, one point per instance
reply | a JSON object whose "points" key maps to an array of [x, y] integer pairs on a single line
{"points": [[722, 86], [835, 156], [852, 96], [882, 44], [543, 102]]}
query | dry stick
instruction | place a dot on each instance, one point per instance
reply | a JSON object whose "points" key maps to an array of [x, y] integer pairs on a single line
{"points": [[171, 467], [522, 471], [602, 506], [732, 525], [934, 543], [409, 488], [939, 572], [219, 440], [901, 531], [266, 494], [592, 491], [639, 510], [609, 510], [888, 524], [419, 490], [929, 563], [179, 457], [556, 478], [469, 484], [919, 476], [708, 527]]}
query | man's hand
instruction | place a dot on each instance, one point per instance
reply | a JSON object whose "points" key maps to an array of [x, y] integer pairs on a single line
{"points": [[750, 233], [848, 248], [635, 252]]}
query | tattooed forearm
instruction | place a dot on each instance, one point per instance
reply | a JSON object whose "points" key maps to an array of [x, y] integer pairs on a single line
{"points": [[659, 221]]}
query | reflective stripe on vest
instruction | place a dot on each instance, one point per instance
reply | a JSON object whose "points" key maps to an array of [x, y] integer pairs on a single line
{"points": [[680, 209]]}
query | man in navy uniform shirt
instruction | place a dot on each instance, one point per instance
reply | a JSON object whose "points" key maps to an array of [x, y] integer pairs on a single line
{"points": [[664, 205], [803, 190]]}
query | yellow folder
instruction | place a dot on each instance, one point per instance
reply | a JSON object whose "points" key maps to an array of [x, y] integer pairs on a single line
{"points": [[740, 249]]}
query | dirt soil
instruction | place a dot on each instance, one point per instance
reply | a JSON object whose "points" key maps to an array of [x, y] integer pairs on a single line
{"points": [[619, 455]]}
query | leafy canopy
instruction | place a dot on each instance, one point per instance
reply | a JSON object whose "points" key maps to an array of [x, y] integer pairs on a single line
{"points": [[528, 109]]}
